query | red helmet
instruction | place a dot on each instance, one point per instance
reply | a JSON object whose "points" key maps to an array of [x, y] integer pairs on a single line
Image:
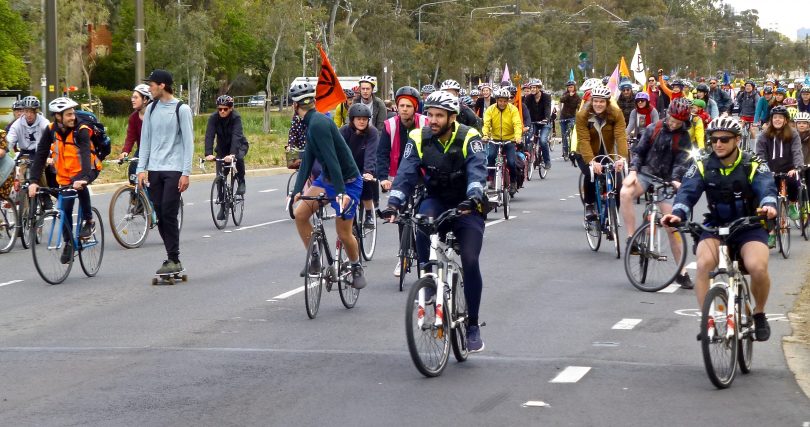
{"points": [[680, 109]]}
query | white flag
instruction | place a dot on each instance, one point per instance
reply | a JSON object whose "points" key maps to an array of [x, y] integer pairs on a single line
{"points": [[637, 67]]}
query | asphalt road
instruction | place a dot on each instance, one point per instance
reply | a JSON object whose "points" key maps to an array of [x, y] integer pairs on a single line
{"points": [[234, 346]]}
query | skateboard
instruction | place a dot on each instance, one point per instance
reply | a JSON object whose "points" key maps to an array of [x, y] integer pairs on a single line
{"points": [[170, 278]]}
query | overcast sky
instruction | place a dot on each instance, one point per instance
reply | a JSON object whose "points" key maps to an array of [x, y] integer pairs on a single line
{"points": [[785, 16]]}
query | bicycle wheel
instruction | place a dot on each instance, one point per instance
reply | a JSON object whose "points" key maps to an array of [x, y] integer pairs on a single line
{"points": [[428, 344], [593, 232], [368, 236], [129, 217], [581, 187], [8, 224], [32, 220], [407, 246], [313, 283], [745, 321], [654, 266], [291, 181], [613, 216], [180, 216], [219, 205], [47, 250], [719, 345], [783, 229], [348, 294], [804, 211], [238, 200], [458, 335], [91, 250], [23, 219], [530, 165], [506, 197]]}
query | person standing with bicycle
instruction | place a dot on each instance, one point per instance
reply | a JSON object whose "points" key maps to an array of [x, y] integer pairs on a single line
{"points": [[503, 123], [455, 170], [226, 126], [736, 184], [167, 144], [539, 106], [663, 151], [340, 179], [140, 100], [75, 162]]}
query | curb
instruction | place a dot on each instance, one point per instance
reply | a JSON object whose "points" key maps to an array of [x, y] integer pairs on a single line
{"points": [[112, 186], [797, 355]]}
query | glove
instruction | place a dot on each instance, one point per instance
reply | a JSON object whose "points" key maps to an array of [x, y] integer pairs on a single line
{"points": [[471, 205], [389, 212]]}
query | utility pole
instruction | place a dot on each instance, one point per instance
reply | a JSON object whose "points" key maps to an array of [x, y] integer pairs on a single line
{"points": [[51, 78], [750, 41], [139, 42]]}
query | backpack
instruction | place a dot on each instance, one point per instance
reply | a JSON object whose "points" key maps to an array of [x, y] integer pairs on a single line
{"points": [[176, 111], [101, 142], [657, 130]]}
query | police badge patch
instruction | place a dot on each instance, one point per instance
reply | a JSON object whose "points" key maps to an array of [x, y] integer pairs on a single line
{"points": [[691, 172], [408, 150], [477, 146], [763, 168]]}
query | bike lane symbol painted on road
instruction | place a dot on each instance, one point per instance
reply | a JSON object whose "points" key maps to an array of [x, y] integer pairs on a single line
{"points": [[693, 312]]}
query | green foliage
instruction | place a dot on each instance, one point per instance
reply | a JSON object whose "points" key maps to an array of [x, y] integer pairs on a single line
{"points": [[14, 40]]}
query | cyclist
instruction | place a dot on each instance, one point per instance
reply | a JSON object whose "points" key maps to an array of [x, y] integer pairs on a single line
{"points": [[696, 130], [626, 99], [747, 100], [503, 123], [340, 179], [17, 110], [791, 92], [673, 90], [454, 164], [341, 116], [226, 126], [474, 95], [804, 99], [363, 141], [8, 183], [722, 174], [702, 92], [140, 99], [485, 101], [466, 116], [425, 92], [376, 105], [24, 136], [76, 164], [763, 110], [641, 117], [570, 102], [720, 97], [538, 103], [778, 97], [600, 130], [780, 146], [699, 111]]}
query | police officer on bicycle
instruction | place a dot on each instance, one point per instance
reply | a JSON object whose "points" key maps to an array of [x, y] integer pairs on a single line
{"points": [[453, 159]]}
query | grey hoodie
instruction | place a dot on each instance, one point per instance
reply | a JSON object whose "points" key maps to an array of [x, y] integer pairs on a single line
{"points": [[164, 146], [22, 136], [782, 156]]}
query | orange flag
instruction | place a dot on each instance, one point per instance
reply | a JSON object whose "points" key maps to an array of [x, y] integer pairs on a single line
{"points": [[328, 93], [623, 70], [519, 101]]}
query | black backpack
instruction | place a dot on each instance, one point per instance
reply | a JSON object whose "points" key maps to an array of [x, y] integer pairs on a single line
{"points": [[102, 145]]}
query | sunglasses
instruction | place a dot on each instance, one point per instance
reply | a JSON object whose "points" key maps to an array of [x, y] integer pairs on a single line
{"points": [[223, 109], [723, 139]]}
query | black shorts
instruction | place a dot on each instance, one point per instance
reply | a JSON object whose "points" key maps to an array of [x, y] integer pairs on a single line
{"points": [[741, 238], [368, 190]]}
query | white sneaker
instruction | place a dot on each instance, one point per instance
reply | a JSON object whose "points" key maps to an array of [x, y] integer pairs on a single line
{"points": [[398, 269]]}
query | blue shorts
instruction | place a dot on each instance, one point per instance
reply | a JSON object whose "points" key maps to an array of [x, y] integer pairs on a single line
{"points": [[741, 238], [353, 190]]}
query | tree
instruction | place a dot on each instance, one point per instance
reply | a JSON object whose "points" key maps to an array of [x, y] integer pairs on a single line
{"points": [[14, 41], [76, 18]]}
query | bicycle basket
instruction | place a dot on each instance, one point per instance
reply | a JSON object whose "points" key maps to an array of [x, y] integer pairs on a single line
{"points": [[293, 159]]}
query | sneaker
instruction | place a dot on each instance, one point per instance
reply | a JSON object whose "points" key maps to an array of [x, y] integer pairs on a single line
{"points": [[634, 249], [512, 189], [221, 214], [87, 230], [793, 212], [590, 212], [490, 184], [168, 267], [685, 281], [474, 342], [240, 189], [314, 266], [548, 165], [762, 329], [771, 241], [368, 223], [67, 253], [358, 279], [398, 269]]}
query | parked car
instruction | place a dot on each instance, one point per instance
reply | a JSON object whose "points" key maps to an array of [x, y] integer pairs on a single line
{"points": [[257, 101]]}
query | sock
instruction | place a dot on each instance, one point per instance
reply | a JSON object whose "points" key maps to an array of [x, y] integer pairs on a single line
{"points": [[355, 261], [369, 213]]}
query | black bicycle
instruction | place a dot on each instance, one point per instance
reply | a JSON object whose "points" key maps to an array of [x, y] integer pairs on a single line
{"points": [[224, 199], [407, 241]]}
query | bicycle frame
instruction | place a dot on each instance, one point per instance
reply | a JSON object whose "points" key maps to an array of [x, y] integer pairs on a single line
{"points": [[500, 162], [731, 287], [441, 256], [609, 172], [62, 215]]}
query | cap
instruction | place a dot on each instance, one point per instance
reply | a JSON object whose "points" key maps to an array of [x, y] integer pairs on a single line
{"points": [[160, 76]]}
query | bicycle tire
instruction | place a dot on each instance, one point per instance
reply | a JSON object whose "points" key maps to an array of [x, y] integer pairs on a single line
{"points": [[47, 260], [646, 277], [430, 364], [720, 367], [124, 226], [745, 322], [180, 215], [217, 204], [581, 187], [238, 203], [291, 181], [367, 237], [348, 293], [593, 233], [804, 212], [530, 165], [783, 229], [25, 218], [506, 197], [9, 221], [613, 215], [406, 247], [91, 251], [458, 334], [313, 283]]}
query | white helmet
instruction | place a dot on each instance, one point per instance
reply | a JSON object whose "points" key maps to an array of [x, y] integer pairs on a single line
{"points": [[502, 93], [600, 92], [144, 90], [450, 84], [61, 104], [301, 91], [726, 124], [802, 117], [444, 100], [368, 79], [475, 92], [590, 84]]}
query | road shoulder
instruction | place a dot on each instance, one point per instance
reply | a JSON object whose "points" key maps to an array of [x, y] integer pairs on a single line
{"points": [[797, 346]]}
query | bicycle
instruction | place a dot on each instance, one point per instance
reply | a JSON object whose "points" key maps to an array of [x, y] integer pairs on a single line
{"points": [[607, 220], [539, 161], [436, 304], [224, 199], [528, 148], [726, 321], [407, 242], [333, 269], [366, 236], [653, 265], [293, 156], [60, 239], [22, 201], [9, 224], [804, 203], [499, 195], [745, 136], [132, 213], [782, 228]]}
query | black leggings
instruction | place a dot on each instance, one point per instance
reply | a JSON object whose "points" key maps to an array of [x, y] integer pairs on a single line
{"points": [[166, 198]]}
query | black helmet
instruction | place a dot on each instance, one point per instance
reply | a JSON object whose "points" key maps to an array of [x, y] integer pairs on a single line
{"points": [[407, 91], [703, 88], [677, 82], [570, 83], [512, 90], [349, 93], [225, 100], [605, 80], [781, 110], [359, 110]]}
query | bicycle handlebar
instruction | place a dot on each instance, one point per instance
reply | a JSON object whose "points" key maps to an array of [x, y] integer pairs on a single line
{"points": [[122, 161], [727, 231]]}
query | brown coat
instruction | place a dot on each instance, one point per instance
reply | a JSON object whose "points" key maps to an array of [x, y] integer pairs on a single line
{"points": [[612, 131]]}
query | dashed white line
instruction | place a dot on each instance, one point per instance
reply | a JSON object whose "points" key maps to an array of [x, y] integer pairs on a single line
{"points": [[691, 266], [10, 283], [562, 200], [269, 191], [189, 204], [535, 404], [670, 289], [571, 374], [287, 294], [626, 324], [261, 225], [206, 236], [498, 221]]}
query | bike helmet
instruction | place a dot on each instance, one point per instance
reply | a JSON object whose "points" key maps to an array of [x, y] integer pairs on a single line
{"points": [[790, 102], [805, 89], [751, 82], [726, 124], [466, 100], [349, 93], [803, 116], [502, 93], [770, 81], [225, 100], [590, 84], [512, 91], [605, 80], [302, 92], [703, 87], [359, 110], [368, 79], [535, 82], [570, 83], [30, 102], [17, 105], [475, 92], [428, 89], [625, 84], [781, 110], [679, 109], [407, 91], [144, 91], [450, 84], [781, 91], [699, 103], [600, 92], [443, 100], [61, 104], [767, 89], [643, 96], [677, 82], [462, 92]]}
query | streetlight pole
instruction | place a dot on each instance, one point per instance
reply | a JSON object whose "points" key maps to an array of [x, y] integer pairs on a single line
{"points": [[419, 12], [139, 40], [50, 52]]}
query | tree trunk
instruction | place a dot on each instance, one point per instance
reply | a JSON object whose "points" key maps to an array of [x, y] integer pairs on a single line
{"points": [[268, 89], [332, 17]]}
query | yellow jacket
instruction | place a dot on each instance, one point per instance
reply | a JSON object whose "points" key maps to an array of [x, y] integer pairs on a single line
{"points": [[341, 115], [503, 125], [696, 134]]}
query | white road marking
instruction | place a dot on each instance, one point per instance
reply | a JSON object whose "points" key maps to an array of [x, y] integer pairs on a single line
{"points": [[691, 266], [262, 224], [563, 200], [227, 231], [189, 204], [626, 324], [206, 236], [498, 221], [670, 289], [571, 374], [10, 283], [269, 191], [535, 404], [271, 300], [605, 344], [527, 212], [806, 424], [288, 294], [207, 201]]}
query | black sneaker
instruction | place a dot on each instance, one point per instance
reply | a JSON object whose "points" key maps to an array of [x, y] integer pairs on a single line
{"points": [[241, 188], [474, 342], [88, 228], [168, 267], [634, 249], [67, 253], [762, 329], [548, 165], [221, 214], [358, 278], [512, 189], [368, 223], [314, 266], [685, 281], [590, 212]]}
